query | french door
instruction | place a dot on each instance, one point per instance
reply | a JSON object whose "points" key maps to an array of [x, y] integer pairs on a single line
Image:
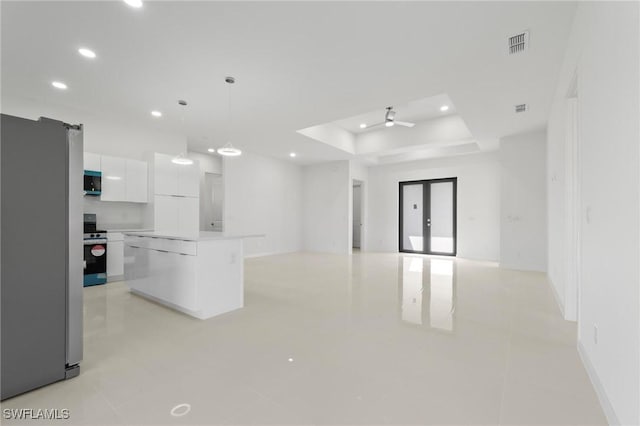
{"points": [[428, 216]]}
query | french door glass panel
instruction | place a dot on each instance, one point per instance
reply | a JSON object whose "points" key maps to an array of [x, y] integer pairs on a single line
{"points": [[441, 218], [413, 220]]}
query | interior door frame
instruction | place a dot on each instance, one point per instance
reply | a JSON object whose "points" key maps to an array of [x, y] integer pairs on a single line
{"points": [[426, 211]]}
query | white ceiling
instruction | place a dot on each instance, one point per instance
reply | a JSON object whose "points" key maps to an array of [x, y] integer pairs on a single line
{"points": [[297, 64], [414, 112]]}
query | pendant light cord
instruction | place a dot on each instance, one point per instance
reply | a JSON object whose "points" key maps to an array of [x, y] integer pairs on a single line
{"points": [[228, 149], [229, 116]]}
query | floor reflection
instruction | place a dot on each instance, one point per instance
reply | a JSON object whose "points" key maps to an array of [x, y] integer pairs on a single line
{"points": [[428, 292]]}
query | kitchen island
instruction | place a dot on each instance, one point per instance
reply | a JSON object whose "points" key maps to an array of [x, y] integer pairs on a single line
{"points": [[200, 275]]}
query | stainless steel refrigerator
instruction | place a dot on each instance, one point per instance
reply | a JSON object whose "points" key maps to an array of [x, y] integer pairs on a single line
{"points": [[41, 166]]}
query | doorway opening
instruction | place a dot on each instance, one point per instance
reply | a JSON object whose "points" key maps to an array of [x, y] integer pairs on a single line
{"points": [[211, 203], [357, 218], [428, 218]]}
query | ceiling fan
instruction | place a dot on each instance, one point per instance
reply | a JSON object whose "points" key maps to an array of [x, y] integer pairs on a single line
{"points": [[390, 120]]}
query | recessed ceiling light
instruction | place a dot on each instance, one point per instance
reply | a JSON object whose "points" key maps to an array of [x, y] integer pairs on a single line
{"points": [[292, 154], [211, 150], [59, 85], [87, 53], [444, 108], [156, 113], [134, 3], [363, 126]]}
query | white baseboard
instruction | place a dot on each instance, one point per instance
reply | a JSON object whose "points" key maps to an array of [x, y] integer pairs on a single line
{"points": [[609, 412]]}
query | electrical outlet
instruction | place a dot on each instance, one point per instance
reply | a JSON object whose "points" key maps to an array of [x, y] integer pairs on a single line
{"points": [[595, 334]]}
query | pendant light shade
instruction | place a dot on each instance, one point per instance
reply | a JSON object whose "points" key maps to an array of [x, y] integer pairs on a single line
{"points": [[229, 151], [182, 160]]}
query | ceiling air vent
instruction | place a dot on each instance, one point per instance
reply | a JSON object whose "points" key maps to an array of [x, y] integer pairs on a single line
{"points": [[518, 43], [521, 108]]}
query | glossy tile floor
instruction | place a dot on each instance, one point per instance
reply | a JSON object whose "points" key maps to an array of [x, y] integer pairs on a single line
{"points": [[327, 339]]}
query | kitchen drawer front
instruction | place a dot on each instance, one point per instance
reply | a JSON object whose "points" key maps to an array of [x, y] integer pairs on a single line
{"points": [[181, 246], [142, 242], [164, 244]]}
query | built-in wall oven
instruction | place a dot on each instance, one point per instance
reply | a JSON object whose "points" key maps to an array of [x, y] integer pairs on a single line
{"points": [[95, 252]]}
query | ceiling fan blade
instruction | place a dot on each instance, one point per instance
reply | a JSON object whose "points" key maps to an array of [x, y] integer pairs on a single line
{"points": [[404, 123], [374, 125]]}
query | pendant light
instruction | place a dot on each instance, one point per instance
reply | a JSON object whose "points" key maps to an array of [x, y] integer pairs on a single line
{"points": [[229, 150], [182, 159]]}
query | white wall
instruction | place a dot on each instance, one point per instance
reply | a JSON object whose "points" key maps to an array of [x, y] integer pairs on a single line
{"points": [[263, 195], [478, 202], [327, 207], [603, 51], [523, 201]]}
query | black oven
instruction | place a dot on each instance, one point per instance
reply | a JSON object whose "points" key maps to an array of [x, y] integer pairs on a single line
{"points": [[95, 252]]}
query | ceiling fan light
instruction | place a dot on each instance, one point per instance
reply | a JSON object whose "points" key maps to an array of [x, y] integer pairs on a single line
{"points": [[388, 123]]}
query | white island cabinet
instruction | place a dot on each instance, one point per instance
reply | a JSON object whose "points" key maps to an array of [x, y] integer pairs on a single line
{"points": [[200, 275]]}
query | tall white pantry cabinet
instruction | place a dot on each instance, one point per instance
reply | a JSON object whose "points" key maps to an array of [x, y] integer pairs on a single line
{"points": [[176, 196]]}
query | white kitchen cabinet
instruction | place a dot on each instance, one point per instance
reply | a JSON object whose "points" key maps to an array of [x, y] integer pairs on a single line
{"points": [[165, 213], [189, 180], [201, 277], [92, 162], [175, 179], [115, 256], [177, 215], [136, 181], [188, 215], [114, 172], [163, 275], [123, 179], [165, 175]]}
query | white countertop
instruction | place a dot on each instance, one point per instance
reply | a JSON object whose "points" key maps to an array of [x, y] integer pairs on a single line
{"points": [[202, 236], [123, 230]]}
